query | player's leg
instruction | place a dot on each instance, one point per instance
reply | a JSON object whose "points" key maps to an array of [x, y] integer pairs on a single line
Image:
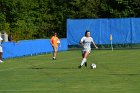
{"points": [[1, 54], [55, 52], [85, 55]]}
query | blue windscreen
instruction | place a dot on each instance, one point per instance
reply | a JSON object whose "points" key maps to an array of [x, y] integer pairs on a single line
{"points": [[123, 30], [30, 47]]}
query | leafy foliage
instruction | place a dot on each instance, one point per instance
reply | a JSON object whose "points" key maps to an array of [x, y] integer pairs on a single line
{"points": [[32, 19]]}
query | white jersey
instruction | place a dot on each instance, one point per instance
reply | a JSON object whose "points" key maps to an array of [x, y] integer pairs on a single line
{"points": [[87, 43], [0, 40], [0, 44]]}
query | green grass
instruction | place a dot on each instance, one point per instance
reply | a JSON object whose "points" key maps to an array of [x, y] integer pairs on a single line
{"points": [[116, 72]]}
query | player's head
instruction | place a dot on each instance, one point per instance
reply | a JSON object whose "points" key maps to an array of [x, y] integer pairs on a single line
{"points": [[87, 33], [55, 34]]}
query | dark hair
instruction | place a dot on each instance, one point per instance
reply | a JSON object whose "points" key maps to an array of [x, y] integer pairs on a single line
{"points": [[54, 33], [86, 32]]}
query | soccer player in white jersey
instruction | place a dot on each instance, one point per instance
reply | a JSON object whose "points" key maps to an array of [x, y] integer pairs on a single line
{"points": [[1, 50], [86, 42]]}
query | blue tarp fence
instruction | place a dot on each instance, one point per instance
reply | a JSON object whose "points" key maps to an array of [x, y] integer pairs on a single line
{"points": [[123, 30], [30, 47]]}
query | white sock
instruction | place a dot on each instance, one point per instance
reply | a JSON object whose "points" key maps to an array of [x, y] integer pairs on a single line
{"points": [[83, 61]]}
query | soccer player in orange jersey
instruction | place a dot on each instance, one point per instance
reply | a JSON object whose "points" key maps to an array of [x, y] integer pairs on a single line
{"points": [[54, 42]]}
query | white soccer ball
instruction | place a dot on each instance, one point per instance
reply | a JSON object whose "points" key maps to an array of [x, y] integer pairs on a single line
{"points": [[93, 66]]}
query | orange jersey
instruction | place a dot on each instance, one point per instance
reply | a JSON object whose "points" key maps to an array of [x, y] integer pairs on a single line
{"points": [[54, 41]]}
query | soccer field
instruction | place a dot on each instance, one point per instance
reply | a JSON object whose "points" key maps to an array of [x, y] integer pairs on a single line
{"points": [[117, 71]]}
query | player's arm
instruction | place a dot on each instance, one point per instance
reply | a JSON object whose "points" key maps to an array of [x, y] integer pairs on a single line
{"points": [[94, 44], [58, 41], [81, 42], [51, 41]]}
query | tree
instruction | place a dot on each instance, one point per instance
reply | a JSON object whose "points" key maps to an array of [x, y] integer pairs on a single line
{"points": [[119, 8], [40, 18]]}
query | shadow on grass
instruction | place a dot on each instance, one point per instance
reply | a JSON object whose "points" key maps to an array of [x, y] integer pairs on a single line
{"points": [[125, 74], [52, 68]]}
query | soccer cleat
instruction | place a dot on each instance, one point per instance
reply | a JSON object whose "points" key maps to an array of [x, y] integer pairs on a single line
{"points": [[1, 61], [54, 58], [85, 64], [79, 66]]}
